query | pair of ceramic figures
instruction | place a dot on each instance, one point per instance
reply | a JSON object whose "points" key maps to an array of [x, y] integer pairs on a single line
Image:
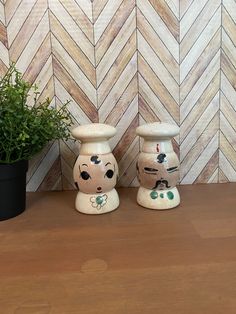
{"points": [[96, 170]]}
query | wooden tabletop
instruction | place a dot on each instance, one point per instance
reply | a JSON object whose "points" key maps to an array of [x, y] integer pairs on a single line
{"points": [[54, 260]]}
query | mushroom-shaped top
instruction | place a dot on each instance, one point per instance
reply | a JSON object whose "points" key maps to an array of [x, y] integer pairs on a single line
{"points": [[157, 130], [94, 137]]}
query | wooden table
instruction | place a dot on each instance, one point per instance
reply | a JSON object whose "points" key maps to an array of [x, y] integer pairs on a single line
{"points": [[54, 260]]}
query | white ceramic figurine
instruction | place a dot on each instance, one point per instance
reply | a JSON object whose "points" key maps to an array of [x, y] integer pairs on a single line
{"points": [[95, 170], [158, 167]]}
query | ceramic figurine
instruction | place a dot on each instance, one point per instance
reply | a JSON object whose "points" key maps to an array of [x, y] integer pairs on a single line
{"points": [[158, 167], [95, 170]]}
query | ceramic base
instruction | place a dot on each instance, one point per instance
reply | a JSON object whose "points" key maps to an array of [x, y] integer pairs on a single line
{"points": [[157, 199], [95, 204]]}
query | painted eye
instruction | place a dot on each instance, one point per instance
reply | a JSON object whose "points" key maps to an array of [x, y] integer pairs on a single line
{"points": [[109, 173], [85, 175]]}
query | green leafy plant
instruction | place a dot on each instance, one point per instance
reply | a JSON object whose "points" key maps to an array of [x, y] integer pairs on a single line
{"points": [[24, 129]]}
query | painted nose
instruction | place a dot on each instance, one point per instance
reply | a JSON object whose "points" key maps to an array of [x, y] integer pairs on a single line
{"points": [[99, 188]]}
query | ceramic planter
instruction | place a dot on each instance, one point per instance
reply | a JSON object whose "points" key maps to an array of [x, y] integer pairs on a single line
{"points": [[95, 171], [12, 189], [158, 167]]}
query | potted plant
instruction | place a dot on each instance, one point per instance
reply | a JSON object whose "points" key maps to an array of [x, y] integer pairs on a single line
{"points": [[24, 131]]}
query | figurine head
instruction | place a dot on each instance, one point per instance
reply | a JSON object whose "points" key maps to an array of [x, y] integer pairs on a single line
{"points": [[95, 174], [158, 171]]}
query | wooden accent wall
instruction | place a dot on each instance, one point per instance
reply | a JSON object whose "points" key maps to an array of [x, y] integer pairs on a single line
{"points": [[125, 63]]}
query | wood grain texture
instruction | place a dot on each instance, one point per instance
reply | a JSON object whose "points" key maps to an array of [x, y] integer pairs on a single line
{"points": [[128, 261], [228, 94], [129, 62]]}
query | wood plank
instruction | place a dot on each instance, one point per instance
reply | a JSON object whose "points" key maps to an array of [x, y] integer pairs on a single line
{"points": [[75, 91], [227, 149], [158, 67], [128, 156], [200, 125], [75, 110], [153, 102], [105, 17], [230, 6], [228, 111], [80, 18], [123, 102], [18, 19], [228, 89], [157, 45], [184, 6], [210, 171], [73, 49], [228, 69], [113, 28], [38, 61], [199, 144], [146, 111], [200, 106], [28, 28], [116, 47], [130, 174], [51, 178], [192, 10], [229, 48], [41, 80], [228, 131], [127, 118], [43, 168], [200, 45], [202, 160], [71, 67], [3, 68], [4, 53], [119, 88], [228, 24], [199, 87], [167, 16], [98, 6], [126, 140], [160, 27], [226, 168], [158, 88], [72, 29], [10, 8], [197, 27], [86, 6], [3, 35], [200, 65], [116, 69], [174, 6], [33, 45]]}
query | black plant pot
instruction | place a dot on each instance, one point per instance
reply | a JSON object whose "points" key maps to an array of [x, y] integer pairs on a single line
{"points": [[12, 189]]}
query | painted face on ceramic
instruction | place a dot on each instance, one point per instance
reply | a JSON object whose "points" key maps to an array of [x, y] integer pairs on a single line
{"points": [[95, 174], [159, 171]]}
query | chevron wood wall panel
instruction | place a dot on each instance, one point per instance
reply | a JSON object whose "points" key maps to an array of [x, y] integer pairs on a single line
{"points": [[200, 43], [128, 62], [227, 154]]}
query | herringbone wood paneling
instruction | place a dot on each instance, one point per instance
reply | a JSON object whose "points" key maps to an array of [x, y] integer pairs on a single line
{"points": [[125, 63], [116, 72], [227, 158], [200, 42]]}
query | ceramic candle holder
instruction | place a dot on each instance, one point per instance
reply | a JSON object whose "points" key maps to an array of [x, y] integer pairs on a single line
{"points": [[95, 171], [158, 167]]}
